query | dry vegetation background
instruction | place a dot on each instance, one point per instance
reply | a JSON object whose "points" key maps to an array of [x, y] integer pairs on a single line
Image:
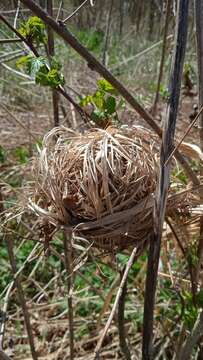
{"points": [[127, 37]]}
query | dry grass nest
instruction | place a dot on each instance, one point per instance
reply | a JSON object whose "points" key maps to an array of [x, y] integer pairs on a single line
{"points": [[100, 185]]}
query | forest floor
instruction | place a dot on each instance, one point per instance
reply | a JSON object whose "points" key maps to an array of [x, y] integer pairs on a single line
{"points": [[19, 127]]}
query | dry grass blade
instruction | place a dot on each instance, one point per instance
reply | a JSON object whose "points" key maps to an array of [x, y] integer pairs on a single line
{"points": [[100, 185]]}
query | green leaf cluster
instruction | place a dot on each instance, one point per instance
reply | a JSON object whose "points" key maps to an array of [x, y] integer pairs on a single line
{"points": [[33, 30], [104, 103], [43, 73]]}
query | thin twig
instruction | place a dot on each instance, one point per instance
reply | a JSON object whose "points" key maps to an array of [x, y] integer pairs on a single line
{"points": [[3, 314], [28, 43], [107, 33], [118, 295], [17, 121], [75, 11], [121, 323], [8, 41], [21, 297], [161, 67], [16, 15], [143, 52], [184, 136], [59, 10], [51, 52], [67, 243]]}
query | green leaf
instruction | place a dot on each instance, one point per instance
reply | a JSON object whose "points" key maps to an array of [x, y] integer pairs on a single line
{"points": [[98, 100], [35, 64], [33, 30], [105, 86], [38, 68], [22, 61], [31, 64], [86, 100], [49, 77], [54, 78], [110, 105], [41, 76], [55, 64]]}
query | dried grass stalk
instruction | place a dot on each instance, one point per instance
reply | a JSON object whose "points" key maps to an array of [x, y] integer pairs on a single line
{"points": [[100, 184]]}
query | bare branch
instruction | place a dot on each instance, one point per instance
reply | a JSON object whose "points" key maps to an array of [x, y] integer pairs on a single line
{"points": [[75, 11], [8, 41]]}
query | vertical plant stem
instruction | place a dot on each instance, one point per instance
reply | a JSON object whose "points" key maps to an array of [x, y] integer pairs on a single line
{"points": [[68, 254], [151, 19], [59, 12], [199, 45], [55, 94], [121, 10], [21, 297], [107, 33], [3, 314], [167, 20], [17, 283], [113, 310], [163, 183], [121, 322]]}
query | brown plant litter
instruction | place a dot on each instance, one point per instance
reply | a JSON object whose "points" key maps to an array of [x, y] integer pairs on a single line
{"points": [[100, 185]]}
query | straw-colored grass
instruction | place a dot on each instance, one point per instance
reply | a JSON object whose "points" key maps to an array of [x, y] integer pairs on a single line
{"points": [[99, 184]]}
